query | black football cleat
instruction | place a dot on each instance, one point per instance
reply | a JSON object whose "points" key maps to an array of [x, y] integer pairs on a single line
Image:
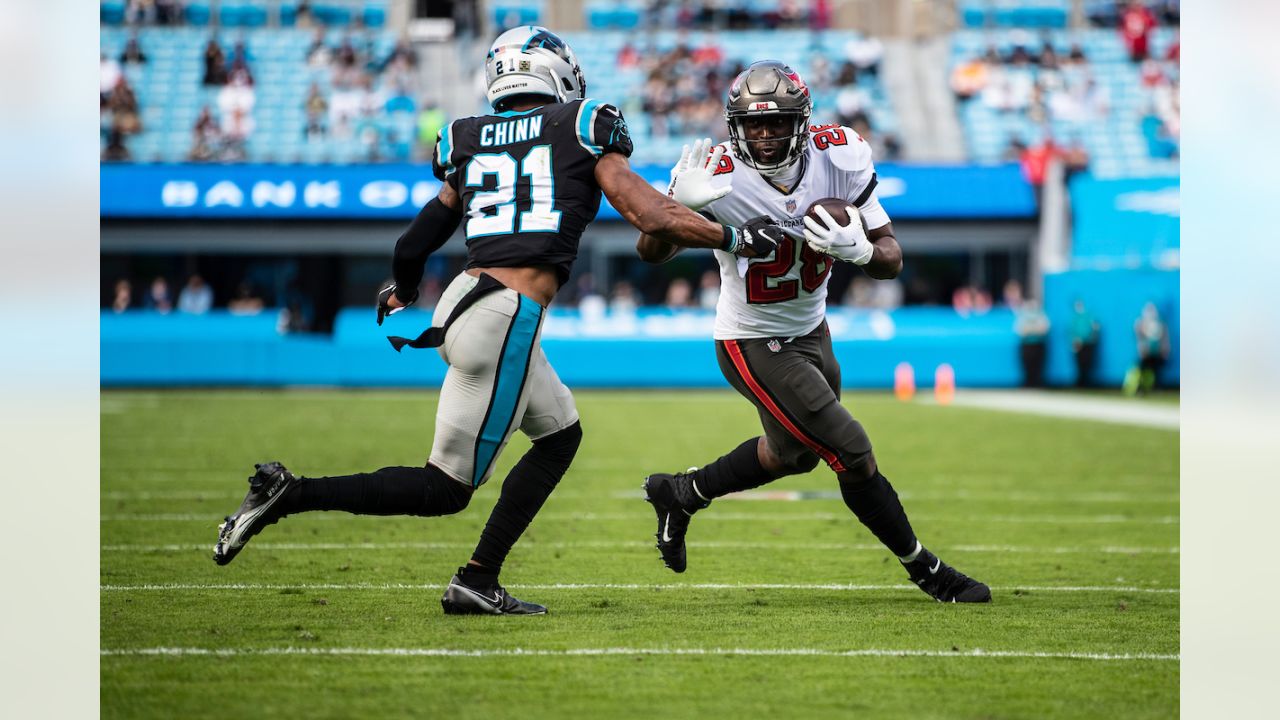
{"points": [[463, 599], [270, 483], [675, 501], [943, 582]]}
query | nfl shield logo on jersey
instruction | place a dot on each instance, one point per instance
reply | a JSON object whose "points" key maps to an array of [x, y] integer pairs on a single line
{"points": [[791, 207], [774, 345]]}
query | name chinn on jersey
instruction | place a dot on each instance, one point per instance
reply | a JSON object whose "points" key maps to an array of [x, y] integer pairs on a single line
{"points": [[785, 294]]}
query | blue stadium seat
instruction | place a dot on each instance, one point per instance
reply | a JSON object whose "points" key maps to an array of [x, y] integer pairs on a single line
{"points": [[198, 14], [255, 15], [332, 14], [111, 12], [509, 14], [375, 16], [598, 17]]}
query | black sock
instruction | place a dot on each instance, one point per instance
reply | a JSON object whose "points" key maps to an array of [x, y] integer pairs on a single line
{"points": [[478, 577], [876, 504], [739, 469], [424, 491], [525, 489]]}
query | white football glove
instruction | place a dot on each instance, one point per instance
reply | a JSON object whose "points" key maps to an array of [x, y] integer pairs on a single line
{"points": [[842, 242], [691, 176]]}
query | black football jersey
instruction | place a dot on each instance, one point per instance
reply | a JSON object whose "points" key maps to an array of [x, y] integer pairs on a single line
{"points": [[527, 179]]}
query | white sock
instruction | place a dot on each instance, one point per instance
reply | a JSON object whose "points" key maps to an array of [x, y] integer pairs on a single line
{"points": [[914, 554]]}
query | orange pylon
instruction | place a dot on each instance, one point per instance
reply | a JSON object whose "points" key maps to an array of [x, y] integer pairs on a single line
{"points": [[904, 381], [944, 384]]}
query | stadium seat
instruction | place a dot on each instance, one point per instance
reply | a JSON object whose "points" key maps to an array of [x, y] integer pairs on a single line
{"points": [[198, 14], [332, 14], [375, 15], [111, 12]]}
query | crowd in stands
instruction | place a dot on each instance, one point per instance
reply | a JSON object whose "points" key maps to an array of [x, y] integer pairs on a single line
{"points": [[1044, 87], [1130, 15], [153, 12], [1162, 119], [119, 113], [738, 14], [1034, 80], [362, 105], [195, 298], [371, 96], [685, 88]]}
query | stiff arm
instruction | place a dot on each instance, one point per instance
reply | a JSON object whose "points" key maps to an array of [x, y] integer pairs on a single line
{"points": [[662, 221]]}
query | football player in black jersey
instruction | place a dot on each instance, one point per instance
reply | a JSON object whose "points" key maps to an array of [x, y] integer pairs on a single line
{"points": [[524, 181]]}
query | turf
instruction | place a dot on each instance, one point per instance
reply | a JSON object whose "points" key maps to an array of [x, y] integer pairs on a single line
{"points": [[1028, 504]]}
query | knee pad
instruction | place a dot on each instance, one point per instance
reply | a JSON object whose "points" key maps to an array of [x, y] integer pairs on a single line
{"points": [[557, 450], [800, 464], [445, 496], [791, 459]]}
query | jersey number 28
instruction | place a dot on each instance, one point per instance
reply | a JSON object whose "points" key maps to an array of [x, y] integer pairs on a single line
{"points": [[540, 215], [814, 268]]}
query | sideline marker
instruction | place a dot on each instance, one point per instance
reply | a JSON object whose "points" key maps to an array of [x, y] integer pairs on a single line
{"points": [[944, 384], [904, 382]]}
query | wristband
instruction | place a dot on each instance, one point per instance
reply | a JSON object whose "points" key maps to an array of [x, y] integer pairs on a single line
{"points": [[732, 239]]}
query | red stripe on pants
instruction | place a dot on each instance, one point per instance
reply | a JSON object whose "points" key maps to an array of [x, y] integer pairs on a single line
{"points": [[740, 362]]}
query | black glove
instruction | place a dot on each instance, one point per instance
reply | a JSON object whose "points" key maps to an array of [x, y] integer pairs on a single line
{"points": [[761, 235], [384, 297]]}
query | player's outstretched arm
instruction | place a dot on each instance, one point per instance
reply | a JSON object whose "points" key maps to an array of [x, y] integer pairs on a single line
{"points": [[653, 250], [886, 261], [433, 226], [653, 213]]}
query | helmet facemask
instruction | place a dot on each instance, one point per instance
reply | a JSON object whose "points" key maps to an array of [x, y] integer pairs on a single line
{"points": [[792, 140]]}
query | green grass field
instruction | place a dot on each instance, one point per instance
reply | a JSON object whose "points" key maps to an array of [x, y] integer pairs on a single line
{"points": [[788, 609]]}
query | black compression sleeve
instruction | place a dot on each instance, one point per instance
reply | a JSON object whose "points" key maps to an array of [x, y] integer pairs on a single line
{"points": [[429, 230]]}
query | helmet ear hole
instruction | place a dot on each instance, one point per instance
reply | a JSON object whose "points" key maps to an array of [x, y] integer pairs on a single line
{"points": [[568, 86]]}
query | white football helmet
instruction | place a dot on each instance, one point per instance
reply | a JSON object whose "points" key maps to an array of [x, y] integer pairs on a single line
{"points": [[532, 60]]}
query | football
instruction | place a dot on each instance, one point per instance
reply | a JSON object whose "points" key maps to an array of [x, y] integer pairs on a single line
{"points": [[837, 208]]}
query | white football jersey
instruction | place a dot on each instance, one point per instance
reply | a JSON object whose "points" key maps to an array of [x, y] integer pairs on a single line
{"points": [[785, 294]]}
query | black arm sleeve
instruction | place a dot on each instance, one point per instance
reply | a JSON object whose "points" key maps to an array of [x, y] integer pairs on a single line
{"points": [[431, 229]]}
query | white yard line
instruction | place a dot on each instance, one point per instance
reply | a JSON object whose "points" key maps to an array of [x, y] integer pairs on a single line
{"points": [[165, 587], [609, 544], [594, 652], [216, 518], [1038, 402]]}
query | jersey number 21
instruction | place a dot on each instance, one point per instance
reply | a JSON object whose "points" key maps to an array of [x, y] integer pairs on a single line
{"points": [[540, 216]]}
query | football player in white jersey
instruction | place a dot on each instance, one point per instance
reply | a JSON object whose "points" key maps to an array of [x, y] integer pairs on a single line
{"points": [[771, 334]]}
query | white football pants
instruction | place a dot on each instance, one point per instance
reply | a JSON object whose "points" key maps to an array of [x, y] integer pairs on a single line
{"points": [[498, 380]]}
